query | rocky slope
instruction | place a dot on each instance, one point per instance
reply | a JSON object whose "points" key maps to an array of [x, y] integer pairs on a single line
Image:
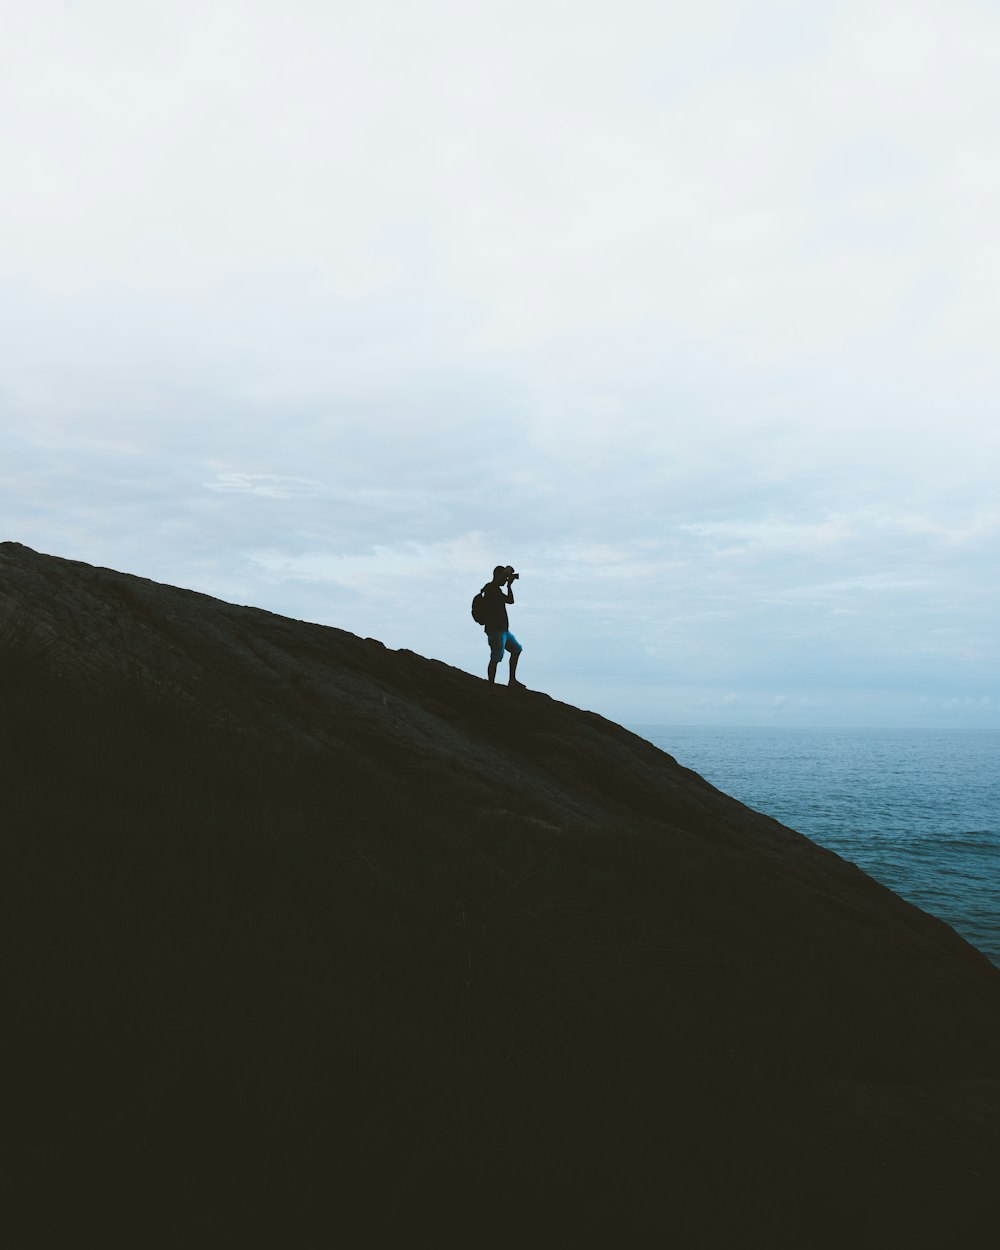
{"points": [[854, 1038]]}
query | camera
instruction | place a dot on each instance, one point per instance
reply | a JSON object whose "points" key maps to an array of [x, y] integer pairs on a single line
{"points": [[511, 575]]}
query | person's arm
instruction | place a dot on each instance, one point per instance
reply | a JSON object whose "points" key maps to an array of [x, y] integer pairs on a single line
{"points": [[510, 592]]}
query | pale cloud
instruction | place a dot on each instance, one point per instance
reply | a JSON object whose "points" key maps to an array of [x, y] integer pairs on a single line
{"points": [[467, 555], [961, 707], [267, 484]]}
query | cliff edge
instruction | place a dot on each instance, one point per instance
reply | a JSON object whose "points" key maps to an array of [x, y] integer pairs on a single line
{"points": [[319, 936]]}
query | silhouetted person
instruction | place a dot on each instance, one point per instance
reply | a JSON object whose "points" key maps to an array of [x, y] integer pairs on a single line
{"points": [[497, 626]]}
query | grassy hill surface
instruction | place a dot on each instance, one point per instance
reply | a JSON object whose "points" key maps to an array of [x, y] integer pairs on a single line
{"points": [[313, 943]]}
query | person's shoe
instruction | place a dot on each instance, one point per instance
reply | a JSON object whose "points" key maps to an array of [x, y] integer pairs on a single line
{"points": [[517, 685]]}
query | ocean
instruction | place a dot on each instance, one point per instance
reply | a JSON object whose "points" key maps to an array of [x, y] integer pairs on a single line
{"points": [[917, 809]]}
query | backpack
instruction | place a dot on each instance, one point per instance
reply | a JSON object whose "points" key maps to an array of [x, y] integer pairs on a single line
{"points": [[479, 607]]}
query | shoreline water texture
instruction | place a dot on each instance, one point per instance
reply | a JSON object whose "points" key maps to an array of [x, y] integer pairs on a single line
{"points": [[917, 809]]}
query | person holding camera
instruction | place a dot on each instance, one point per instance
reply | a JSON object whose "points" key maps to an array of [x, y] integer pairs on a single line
{"points": [[497, 626]]}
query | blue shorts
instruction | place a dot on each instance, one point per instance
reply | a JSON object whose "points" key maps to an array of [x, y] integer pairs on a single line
{"points": [[501, 642]]}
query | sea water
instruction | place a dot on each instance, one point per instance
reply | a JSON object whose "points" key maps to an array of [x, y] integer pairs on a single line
{"points": [[917, 809]]}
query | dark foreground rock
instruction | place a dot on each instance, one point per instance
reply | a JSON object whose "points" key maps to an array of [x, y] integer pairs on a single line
{"points": [[313, 941]]}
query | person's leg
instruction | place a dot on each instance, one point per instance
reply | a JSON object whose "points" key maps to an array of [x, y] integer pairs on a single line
{"points": [[496, 642], [515, 649]]}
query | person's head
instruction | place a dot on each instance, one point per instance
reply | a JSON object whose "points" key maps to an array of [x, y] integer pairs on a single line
{"points": [[500, 574]]}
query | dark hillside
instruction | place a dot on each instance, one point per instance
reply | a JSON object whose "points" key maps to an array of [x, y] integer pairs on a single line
{"points": [[314, 943]]}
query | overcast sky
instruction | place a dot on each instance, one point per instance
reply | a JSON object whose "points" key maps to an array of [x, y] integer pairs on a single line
{"points": [[689, 311]]}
